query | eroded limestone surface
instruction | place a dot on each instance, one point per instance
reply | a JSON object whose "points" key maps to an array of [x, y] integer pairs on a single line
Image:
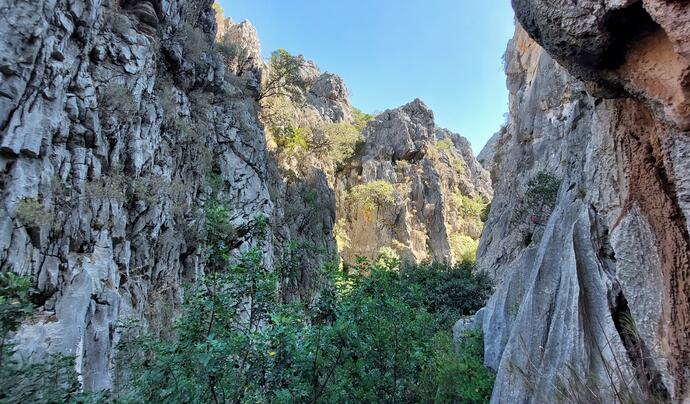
{"points": [[602, 106]]}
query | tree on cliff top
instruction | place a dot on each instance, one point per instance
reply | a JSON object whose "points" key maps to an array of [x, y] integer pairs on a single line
{"points": [[284, 78]]}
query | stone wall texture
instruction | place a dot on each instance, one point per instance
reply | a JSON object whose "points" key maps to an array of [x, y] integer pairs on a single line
{"points": [[598, 294]]}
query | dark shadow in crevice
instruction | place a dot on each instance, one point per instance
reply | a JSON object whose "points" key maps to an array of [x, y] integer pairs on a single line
{"points": [[625, 26], [639, 354]]}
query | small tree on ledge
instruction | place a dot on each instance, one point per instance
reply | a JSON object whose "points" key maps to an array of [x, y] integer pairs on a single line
{"points": [[284, 78]]}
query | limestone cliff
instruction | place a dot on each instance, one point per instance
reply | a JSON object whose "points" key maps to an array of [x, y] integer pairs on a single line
{"points": [[119, 121], [414, 189], [593, 290], [395, 183]]}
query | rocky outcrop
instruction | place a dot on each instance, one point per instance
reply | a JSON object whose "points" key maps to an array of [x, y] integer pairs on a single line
{"points": [[592, 296], [409, 188], [488, 152], [329, 96], [118, 123]]}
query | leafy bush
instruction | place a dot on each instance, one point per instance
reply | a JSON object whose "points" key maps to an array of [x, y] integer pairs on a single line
{"points": [[459, 378], [463, 247], [445, 145], [373, 194], [218, 9], [449, 292], [31, 212], [459, 165], [234, 55], [485, 212], [539, 199], [284, 77], [341, 234], [341, 140], [296, 142], [368, 337], [470, 207], [360, 119]]}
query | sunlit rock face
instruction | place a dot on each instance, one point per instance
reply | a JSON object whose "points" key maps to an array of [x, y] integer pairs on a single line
{"points": [[423, 173], [598, 99]]}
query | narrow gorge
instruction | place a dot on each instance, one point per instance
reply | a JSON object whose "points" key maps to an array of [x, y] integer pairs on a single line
{"points": [[185, 220]]}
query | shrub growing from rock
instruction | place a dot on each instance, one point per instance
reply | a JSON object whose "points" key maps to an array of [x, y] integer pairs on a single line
{"points": [[284, 77], [373, 195]]}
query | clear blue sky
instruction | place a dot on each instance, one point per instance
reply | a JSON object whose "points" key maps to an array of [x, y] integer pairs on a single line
{"points": [[389, 52]]}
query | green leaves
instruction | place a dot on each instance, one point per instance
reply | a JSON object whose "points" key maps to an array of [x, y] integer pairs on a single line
{"points": [[284, 77], [539, 200], [15, 304], [458, 377], [370, 336], [372, 195]]}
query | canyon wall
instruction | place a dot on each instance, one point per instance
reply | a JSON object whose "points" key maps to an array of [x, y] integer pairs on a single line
{"points": [[593, 292], [124, 123], [114, 116]]}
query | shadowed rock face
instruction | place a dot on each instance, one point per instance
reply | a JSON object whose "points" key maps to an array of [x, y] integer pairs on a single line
{"points": [[610, 120], [620, 47], [118, 123]]}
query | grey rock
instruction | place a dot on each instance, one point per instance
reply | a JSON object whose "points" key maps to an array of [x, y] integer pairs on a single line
{"points": [[569, 287], [401, 147], [473, 322], [124, 189]]}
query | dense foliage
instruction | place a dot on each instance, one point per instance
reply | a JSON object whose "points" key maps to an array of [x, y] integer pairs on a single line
{"points": [[372, 195], [378, 332], [284, 77]]}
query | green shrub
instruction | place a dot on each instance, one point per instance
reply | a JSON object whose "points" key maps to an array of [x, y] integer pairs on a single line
{"points": [[284, 77], [470, 207], [342, 139], [445, 145], [449, 292], [234, 55], [296, 142], [463, 247], [340, 232], [368, 337], [372, 195], [459, 165], [218, 9], [458, 377], [539, 199], [31, 212], [360, 119], [485, 212]]}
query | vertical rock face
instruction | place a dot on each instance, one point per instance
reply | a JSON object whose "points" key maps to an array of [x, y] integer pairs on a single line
{"points": [[420, 179], [596, 292], [112, 114], [121, 121]]}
